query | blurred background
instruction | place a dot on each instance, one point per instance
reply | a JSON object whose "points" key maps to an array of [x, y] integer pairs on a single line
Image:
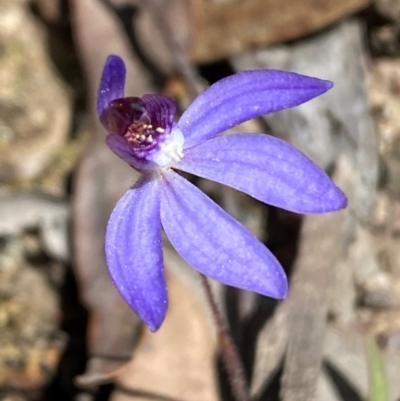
{"points": [[65, 334]]}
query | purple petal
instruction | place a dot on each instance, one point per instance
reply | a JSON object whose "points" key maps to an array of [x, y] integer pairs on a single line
{"points": [[121, 147], [134, 253], [112, 83], [161, 110], [266, 168], [243, 96], [216, 244]]}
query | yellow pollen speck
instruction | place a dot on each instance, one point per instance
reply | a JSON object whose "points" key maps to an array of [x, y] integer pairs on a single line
{"points": [[160, 130], [150, 139], [142, 137], [149, 126]]}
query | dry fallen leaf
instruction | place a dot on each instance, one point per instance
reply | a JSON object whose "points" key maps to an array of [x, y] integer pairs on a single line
{"points": [[177, 362], [226, 28]]}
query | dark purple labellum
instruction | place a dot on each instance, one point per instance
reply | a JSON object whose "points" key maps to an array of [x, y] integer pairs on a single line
{"points": [[122, 113]]}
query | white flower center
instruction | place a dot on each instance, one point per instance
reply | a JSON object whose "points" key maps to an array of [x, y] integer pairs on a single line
{"points": [[170, 150]]}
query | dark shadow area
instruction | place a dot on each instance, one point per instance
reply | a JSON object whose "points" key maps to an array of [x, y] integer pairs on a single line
{"points": [[127, 16], [383, 37], [283, 230], [345, 389], [213, 72], [74, 322], [273, 389], [224, 387], [251, 330], [61, 48]]}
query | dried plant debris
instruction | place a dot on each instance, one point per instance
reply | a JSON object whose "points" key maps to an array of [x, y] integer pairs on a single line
{"points": [[49, 215], [343, 137], [344, 270], [31, 345], [384, 93], [385, 38], [345, 358], [389, 8], [177, 363], [35, 110], [51, 10], [226, 28], [375, 252]]}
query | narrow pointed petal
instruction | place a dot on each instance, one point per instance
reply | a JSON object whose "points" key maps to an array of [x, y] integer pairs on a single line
{"points": [[216, 244], [134, 253], [112, 84], [266, 168], [243, 96]]}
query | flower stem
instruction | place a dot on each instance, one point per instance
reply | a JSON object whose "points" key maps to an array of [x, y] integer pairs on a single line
{"points": [[230, 354]]}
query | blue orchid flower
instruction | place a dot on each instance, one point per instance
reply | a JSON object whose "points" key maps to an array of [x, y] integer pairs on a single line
{"points": [[143, 133]]}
